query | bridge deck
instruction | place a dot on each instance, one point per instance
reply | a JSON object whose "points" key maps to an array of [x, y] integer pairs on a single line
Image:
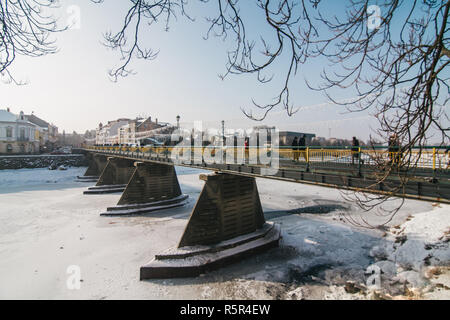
{"points": [[427, 179]]}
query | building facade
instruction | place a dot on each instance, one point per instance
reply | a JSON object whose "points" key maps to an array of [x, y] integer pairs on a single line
{"points": [[48, 133], [109, 134], [286, 137], [126, 131], [17, 134]]}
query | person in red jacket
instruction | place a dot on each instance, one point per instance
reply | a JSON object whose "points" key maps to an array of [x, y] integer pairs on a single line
{"points": [[246, 147]]}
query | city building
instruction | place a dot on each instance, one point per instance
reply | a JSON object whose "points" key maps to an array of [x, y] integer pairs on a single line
{"points": [[48, 133], [286, 137], [128, 131], [17, 134], [109, 134]]}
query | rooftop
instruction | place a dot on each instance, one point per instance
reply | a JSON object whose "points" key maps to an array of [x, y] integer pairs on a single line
{"points": [[37, 121], [6, 116]]}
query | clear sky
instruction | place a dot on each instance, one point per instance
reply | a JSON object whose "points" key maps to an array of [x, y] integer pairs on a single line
{"points": [[72, 90]]}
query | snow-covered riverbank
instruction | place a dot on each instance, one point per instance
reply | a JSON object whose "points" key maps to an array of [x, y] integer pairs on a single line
{"points": [[47, 225]]}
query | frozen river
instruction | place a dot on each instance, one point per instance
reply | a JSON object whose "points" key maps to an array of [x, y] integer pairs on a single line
{"points": [[48, 225]]}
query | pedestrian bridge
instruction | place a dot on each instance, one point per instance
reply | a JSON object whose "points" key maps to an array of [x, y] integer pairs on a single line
{"points": [[424, 175], [227, 222]]}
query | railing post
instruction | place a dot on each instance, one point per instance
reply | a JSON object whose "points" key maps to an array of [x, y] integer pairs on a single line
{"points": [[359, 161], [434, 158], [307, 159]]}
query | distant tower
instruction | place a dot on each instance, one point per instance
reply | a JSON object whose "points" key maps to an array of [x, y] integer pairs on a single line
{"points": [[178, 122]]}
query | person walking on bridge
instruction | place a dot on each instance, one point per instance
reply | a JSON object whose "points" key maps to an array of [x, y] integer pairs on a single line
{"points": [[355, 150], [394, 150], [247, 149], [302, 146], [447, 151], [295, 149]]}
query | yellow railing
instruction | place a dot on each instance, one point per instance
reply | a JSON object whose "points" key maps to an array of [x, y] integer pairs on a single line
{"points": [[431, 158]]}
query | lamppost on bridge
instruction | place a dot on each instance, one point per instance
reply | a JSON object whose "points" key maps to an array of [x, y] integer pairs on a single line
{"points": [[178, 122], [223, 133]]}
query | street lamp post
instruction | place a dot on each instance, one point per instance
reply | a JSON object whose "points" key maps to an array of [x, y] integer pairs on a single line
{"points": [[178, 122], [223, 133]]}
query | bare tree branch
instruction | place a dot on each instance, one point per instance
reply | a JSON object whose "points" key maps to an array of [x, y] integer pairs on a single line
{"points": [[25, 29]]}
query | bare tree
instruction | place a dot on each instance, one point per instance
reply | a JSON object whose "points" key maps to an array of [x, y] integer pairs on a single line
{"points": [[25, 29], [399, 68], [393, 57]]}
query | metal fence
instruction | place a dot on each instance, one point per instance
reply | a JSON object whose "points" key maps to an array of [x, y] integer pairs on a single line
{"points": [[436, 159]]}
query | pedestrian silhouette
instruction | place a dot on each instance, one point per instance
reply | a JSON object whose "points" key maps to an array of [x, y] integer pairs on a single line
{"points": [[295, 149]]}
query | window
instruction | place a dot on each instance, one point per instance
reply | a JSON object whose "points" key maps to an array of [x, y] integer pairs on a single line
{"points": [[9, 148], [9, 132]]}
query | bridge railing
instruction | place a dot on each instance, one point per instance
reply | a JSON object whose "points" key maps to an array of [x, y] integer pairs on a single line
{"points": [[428, 159], [436, 159]]}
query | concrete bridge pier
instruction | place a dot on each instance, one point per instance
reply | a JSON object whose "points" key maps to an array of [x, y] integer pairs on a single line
{"points": [[114, 177], [227, 224], [97, 163], [152, 187]]}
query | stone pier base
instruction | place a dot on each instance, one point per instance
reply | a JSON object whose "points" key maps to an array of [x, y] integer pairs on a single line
{"points": [[97, 164], [227, 224], [152, 187], [114, 177]]}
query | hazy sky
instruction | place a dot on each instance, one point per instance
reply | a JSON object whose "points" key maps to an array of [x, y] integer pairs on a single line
{"points": [[72, 90]]}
